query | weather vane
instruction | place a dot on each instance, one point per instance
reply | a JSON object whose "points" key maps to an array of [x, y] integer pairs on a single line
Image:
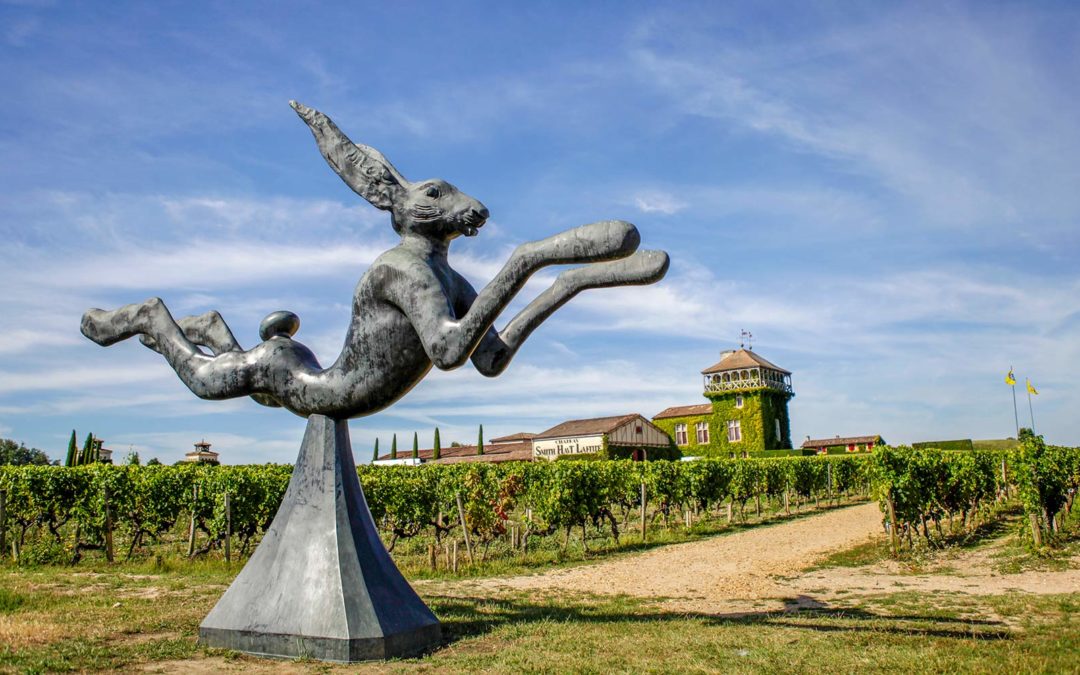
{"points": [[321, 584], [746, 339]]}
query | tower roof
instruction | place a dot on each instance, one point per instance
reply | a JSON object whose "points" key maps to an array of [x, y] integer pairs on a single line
{"points": [[739, 359]]}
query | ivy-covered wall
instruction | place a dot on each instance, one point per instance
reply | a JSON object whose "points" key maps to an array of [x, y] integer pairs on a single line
{"points": [[760, 407]]}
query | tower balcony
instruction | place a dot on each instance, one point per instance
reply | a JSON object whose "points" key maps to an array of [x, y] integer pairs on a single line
{"points": [[749, 378]]}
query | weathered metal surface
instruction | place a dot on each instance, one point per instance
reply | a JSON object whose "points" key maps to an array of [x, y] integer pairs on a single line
{"points": [[321, 585], [411, 310]]}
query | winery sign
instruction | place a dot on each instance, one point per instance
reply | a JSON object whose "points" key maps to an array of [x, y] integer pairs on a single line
{"points": [[556, 447]]}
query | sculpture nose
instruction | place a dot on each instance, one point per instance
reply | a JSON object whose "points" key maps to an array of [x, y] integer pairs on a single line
{"points": [[482, 212]]}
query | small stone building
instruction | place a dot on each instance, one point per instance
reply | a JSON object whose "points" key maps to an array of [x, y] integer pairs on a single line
{"points": [[839, 444], [202, 454]]}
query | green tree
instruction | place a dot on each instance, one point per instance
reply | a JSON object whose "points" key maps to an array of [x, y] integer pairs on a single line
{"points": [[436, 452], [393, 447], [86, 456], [415, 445], [153, 461], [18, 454], [132, 458], [480, 441], [73, 450], [375, 455]]}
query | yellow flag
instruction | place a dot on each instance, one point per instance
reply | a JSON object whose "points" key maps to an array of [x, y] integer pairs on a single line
{"points": [[1010, 379], [1031, 389]]}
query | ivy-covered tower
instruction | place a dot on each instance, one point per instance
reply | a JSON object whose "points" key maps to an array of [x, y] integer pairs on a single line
{"points": [[747, 410]]}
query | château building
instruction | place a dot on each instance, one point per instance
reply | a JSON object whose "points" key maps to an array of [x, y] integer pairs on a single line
{"points": [[747, 410]]}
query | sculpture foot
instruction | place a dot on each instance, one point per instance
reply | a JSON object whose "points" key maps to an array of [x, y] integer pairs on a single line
{"points": [[102, 327], [595, 242], [639, 269]]}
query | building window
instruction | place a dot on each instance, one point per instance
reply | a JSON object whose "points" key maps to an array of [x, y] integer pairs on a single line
{"points": [[680, 434], [738, 400], [734, 431], [702, 429], [777, 421]]}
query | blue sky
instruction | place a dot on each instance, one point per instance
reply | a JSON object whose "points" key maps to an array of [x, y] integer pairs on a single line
{"points": [[887, 196]]}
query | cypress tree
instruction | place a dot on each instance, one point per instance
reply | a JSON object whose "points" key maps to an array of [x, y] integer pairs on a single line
{"points": [[393, 447], [415, 445], [480, 441], [73, 450], [87, 450], [436, 452], [376, 455]]}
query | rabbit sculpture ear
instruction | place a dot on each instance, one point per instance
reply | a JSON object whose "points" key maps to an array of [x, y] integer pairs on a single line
{"points": [[364, 169]]}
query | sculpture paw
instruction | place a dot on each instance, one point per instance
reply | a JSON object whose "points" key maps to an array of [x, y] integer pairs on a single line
{"points": [[97, 325], [608, 238]]}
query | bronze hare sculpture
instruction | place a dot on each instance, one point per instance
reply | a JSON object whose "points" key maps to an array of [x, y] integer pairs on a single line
{"points": [[410, 309]]}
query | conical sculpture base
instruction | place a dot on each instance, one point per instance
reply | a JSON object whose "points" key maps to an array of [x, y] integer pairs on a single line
{"points": [[321, 584]]}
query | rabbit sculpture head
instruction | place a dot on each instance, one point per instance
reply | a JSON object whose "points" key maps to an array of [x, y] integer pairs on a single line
{"points": [[433, 209]]}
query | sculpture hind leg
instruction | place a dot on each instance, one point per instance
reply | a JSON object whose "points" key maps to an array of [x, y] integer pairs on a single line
{"points": [[205, 330], [498, 348], [209, 330], [227, 374]]}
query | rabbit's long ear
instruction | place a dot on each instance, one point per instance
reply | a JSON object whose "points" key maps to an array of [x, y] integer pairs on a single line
{"points": [[364, 169]]}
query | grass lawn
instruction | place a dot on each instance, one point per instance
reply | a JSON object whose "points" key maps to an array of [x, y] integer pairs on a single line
{"points": [[141, 617]]}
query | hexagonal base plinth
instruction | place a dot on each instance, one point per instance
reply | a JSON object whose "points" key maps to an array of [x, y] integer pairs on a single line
{"points": [[321, 584]]}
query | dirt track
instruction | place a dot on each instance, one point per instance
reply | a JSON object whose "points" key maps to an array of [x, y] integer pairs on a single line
{"points": [[761, 569]]}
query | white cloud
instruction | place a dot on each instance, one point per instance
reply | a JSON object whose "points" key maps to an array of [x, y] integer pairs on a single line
{"points": [[658, 202]]}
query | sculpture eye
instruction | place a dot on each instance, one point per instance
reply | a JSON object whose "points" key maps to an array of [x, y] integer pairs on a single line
{"points": [[433, 191]]}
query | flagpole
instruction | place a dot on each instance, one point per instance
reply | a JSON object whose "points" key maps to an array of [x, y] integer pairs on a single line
{"points": [[1031, 411], [1016, 415]]}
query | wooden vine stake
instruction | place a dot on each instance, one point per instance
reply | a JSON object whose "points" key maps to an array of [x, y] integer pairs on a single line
{"points": [[3, 521], [1036, 532], [228, 528], [464, 528], [643, 503], [893, 534], [191, 529], [108, 527]]}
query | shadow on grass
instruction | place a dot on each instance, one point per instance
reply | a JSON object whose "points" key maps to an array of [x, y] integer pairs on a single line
{"points": [[468, 617]]}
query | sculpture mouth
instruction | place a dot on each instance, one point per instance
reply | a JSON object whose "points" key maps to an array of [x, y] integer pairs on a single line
{"points": [[470, 225]]}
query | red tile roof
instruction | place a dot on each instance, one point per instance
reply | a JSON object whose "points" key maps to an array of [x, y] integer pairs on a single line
{"points": [[840, 440], [596, 425], [501, 452], [684, 411], [514, 438], [739, 359]]}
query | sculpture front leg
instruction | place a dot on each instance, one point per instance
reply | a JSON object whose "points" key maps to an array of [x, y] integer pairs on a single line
{"points": [[496, 350]]}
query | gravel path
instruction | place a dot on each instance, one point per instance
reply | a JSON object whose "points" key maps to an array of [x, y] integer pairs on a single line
{"points": [[749, 565]]}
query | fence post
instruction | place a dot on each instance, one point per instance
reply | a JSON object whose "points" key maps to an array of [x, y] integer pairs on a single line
{"points": [[644, 501], [3, 522], [191, 529], [228, 528], [893, 535], [108, 526], [431, 556], [453, 553], [464, 528]]}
